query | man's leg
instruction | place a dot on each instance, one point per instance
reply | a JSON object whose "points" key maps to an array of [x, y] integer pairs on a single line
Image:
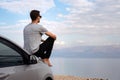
{"points": [[46, 49]]}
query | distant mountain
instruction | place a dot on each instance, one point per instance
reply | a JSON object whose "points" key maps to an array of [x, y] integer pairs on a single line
{"points": [[88, 52]]}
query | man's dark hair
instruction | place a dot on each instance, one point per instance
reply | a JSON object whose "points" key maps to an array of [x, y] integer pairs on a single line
{"points": [[34, 14]]}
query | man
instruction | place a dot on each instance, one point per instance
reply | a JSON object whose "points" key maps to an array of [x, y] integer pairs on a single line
{"points": [[33, 38]]}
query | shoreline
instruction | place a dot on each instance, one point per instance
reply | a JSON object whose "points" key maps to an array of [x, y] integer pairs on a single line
{"points": [[67, 77]]}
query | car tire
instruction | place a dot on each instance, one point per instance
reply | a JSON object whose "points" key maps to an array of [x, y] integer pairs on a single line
{"points": [[48, 78]]}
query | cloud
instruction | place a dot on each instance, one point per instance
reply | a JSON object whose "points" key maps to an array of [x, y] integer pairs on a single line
{"points": [[78, 3], [79, 6], [96, 21], [14, 32], [60, 44], [2, 23], [87, 22], [54, 26], [102, 17], [22, 6]]}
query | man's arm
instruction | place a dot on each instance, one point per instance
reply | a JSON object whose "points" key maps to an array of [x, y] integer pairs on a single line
{"points": [[51, 35]]}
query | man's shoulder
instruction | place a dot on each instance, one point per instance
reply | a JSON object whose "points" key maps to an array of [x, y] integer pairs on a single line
{"points": [[33, 25], [27, 25], [37, 25]]}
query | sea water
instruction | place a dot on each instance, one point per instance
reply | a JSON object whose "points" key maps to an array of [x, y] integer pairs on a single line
{"points": [[87, 67]]}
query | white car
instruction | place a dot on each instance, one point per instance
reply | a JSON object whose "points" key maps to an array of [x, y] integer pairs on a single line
{"points": [[17, 64]]}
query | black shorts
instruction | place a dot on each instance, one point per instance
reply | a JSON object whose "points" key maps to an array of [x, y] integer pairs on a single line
{"points": [[45, 48]]}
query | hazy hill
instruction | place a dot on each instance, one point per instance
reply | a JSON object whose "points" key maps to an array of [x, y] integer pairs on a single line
{"points": [[89, 52]]}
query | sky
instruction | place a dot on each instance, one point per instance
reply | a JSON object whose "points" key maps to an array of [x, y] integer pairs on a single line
{"points": [[75, 22]]}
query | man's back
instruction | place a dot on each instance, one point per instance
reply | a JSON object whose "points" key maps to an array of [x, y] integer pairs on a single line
{"points": [[32, 37]]}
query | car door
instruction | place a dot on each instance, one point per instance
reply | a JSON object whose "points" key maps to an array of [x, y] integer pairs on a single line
{"points": [[12, 59], [16, 64]]}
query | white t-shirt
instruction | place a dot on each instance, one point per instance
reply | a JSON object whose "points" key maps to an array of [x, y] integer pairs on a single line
{"points": [[32, 37]]}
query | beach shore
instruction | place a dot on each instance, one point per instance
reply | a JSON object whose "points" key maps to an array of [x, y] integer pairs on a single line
{"points": [[63, 77]]}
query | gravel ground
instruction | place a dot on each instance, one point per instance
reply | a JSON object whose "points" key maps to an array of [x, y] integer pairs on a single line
{"points": [[62, 77]]}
